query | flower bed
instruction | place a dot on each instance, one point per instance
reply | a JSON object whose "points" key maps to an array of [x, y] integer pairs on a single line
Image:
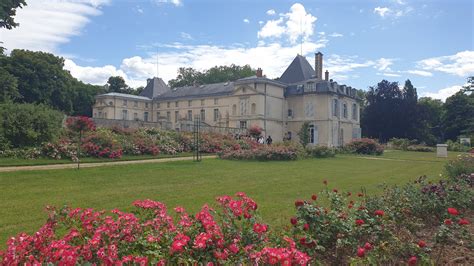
{"points": [[364, 146], [261, 153]]}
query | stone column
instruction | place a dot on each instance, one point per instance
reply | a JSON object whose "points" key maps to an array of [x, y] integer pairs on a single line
{"points": [[442, 150]]}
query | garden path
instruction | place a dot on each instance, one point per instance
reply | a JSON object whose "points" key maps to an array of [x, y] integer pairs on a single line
{"points": [[87, 165]]}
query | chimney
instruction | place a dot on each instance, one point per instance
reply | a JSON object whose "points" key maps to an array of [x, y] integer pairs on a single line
{"points": [[318, 65], [326, 75], [259, 73]]}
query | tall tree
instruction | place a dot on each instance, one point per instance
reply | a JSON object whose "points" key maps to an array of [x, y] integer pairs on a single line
{"points": [[117, 84], [8, 86], [7, 14], [459, 115], [409, 105], [430, 113]]}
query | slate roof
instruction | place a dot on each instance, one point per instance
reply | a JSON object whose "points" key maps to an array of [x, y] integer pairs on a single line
{"points": [[299, 70], [130, 96], [216, 89], [154, 87]]}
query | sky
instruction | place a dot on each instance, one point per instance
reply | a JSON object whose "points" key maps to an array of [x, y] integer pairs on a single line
{"points": [[363, 41]]}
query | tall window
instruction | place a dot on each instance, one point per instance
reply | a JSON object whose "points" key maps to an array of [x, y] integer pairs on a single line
{"points": [[124, 103], [145, 116], [168, 116], [354, 111], [157, 105], [176, 116], [176, 104], [157, 116], [234, 109], [203, 114], [216, 101], [124, 114], [290, 113], [311, 134], [190, 103], [168, 104], [243, 124], [146, 105], [202, 102], [190, 115], [253, 109], [335, 107], [135, 116], [216, 114], [344, 110]]}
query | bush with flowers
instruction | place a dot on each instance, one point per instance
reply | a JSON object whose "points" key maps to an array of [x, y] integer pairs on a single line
{"points": [[261, 153], [364, 146]]}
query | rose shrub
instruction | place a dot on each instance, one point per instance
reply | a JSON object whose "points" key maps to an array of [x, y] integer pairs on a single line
{"points": [[320, 152], [261, 153], [364, 146]]}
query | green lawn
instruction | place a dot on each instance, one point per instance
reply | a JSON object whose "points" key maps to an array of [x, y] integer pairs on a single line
{"points": [[274, 185], [5, 162]]}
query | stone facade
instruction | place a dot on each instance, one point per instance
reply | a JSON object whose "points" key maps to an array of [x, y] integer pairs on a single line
{"points": [[279, 107]]}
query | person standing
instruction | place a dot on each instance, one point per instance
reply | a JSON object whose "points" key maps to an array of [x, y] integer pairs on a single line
{"points": [[269, 140]]}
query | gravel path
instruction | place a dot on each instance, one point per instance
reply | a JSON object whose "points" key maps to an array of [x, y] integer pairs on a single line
{"points": [[87, 165]]}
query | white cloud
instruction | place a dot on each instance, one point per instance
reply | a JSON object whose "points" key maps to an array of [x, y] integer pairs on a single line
{"points": [[93, 75], [383, 64], [45, 24], [420, 73], [174, 2], [295, 24], [340, 66], [246, 20], [382, 11], [186, 35], [387, 74], [335, 35], [271, 12], [460, 64], [443, 94]]}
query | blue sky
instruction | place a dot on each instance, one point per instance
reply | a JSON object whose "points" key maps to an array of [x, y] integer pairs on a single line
{"points": [[363, 42]]}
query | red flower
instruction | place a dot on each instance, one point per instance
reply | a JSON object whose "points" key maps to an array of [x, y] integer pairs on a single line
{"points": [[349, 194], [379, 212], [368, 246], [259, 228], [463, 221], [325, 182], [421, 244], [453, 211], [293, 221], [314, 197], [360, 195], [360, 252], [448, 222], [360, 222], [334, 190], [306, 227], [412, 260], [299, 203]]}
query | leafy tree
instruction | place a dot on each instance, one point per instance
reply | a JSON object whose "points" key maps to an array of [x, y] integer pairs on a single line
{"points": [[8, 86], [411, 123], [117, 84], [84, 97], [28, 125], [459, 116], [430, 112], [7, 14], [189, 76], [303, 134]]}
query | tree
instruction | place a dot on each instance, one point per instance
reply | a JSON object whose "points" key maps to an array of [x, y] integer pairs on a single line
{"points": [[430, 112], [7, 14], [8, 87], [190, 77], [303, 134], [459, 115], [409, 107], [117, 84]]}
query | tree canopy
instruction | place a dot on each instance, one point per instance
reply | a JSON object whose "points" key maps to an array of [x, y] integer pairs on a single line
{"points": [[7, 14], [190, 76]]}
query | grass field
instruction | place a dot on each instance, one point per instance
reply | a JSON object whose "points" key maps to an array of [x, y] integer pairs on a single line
{"points": [[274, 185]]}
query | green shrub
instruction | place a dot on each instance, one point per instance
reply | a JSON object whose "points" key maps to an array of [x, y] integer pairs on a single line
{"points": [[420, 148], [320, 152], [463, 164], [456, 146], [28, 125], [364, 146]]}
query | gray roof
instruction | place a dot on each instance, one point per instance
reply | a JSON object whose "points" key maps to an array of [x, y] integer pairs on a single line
{"points": [[154, 87], [216, 89], [300, 69], [124, 95], [255, 79]]}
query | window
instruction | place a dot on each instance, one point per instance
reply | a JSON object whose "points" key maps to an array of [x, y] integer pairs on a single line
{"points": [[110, 103], [105, 115], [253, 108], [289, 135], [202, 102], [100, 114], [176, 116], [168, 105], [335, 107], [124, 103], [243, 106], [216, 114], [157, 105], [234, 109], [146, 105], [158, 116], [135, 116], [203, 114], [135, 104], [190, 115], [145, 116], [216, 101], [243, 124], [354, 111], [176, 104], [124, 114], [190, 103], [344, 110], [168, 116], [290, 113]]}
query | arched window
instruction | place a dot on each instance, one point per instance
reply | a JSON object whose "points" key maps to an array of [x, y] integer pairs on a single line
{"points": [[253, 108]]}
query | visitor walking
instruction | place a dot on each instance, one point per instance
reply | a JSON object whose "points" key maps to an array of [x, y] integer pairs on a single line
{"points": [[269, 140]]}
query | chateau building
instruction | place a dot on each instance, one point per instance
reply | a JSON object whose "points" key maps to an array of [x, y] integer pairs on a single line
{"points": [[279, 107]]}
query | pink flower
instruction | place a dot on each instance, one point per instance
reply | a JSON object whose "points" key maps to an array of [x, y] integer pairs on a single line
{"points": [[368, 246], [463, 221], [360, 222], [379, 213], [259, 228], [421, 244], [453, 211], [360, 252], [412, 260], [293, 221], [448, 222], [306, 227]]}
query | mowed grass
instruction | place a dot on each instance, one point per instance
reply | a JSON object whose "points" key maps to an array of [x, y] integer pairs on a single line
{"points": [[274, 185]]}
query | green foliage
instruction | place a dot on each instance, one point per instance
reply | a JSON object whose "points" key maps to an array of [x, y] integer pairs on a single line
{"points": [[456, 146], [8, 86], [459, 115], [190, 76], [27, 125], [320, 152], [463, 164], [303, 134], [8, 11], [364, 146]]}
